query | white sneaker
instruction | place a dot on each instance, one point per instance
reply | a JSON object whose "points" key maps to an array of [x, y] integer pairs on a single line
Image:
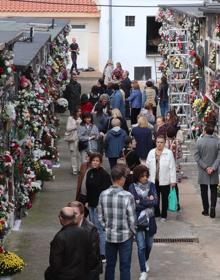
{"points": [[163, 220], [147, 266], [143, 276]]}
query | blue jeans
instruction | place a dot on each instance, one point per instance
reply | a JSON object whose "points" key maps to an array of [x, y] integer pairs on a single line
{"points": [[94, 219], [163, 107], [125, 252], [144, 244]]}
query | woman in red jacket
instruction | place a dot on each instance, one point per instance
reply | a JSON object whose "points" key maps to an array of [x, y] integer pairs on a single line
{"points": [[86, 105]]}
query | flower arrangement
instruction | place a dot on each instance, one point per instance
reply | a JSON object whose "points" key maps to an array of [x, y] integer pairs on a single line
{"points": [[42, 171], [9, 113], [215, 91], [164, 15], [6, 67], [195, 58], [194, 80], [212, 59], [200, 106], [10, 263], [217, 31]]}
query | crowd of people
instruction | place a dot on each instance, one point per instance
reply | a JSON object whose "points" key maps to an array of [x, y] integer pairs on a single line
{"points": [[116, 208]]}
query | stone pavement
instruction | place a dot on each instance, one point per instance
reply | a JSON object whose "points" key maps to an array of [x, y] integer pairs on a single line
{"points": [[168, 261]]}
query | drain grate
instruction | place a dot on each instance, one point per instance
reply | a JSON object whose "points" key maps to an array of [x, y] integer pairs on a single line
{"points": [[177, 240]]}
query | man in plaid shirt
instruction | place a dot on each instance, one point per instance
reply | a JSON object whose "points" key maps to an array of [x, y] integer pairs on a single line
{"points": [[116, 213]]}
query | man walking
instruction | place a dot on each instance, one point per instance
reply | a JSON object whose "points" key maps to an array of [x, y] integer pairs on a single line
{"points": [[74, 49], [126, 87], [207, 156], [73, 93], [71, 254], [116, 213], [79, 212]]}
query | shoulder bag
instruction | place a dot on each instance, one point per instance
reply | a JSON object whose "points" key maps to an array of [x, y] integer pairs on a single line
{"points": [[70, 136]]}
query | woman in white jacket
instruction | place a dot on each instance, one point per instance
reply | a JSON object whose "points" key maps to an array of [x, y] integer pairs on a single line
{"points": [[72, 125], [162, 167]]}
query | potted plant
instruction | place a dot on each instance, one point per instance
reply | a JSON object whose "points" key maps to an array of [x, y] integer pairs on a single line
{"points": [[10, 264]]}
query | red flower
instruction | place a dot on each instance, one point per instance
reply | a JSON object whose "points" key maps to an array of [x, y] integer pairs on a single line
{"points": [[13, 67], [2, 250], [28, 205], [1, 70]]}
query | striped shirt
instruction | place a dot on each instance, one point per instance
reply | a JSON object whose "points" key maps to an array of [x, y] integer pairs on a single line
{"points": [[116, 213]]}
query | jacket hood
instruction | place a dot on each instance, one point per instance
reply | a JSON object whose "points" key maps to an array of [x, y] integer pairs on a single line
{"points": [[116, 132]]}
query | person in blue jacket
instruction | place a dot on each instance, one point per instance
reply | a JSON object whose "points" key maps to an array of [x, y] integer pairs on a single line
{"points": [[145, 196], [143, 136], [117, 100], [136, 101], [114, 142]]}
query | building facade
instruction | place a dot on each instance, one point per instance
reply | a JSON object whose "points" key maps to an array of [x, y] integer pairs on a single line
{"points": [[129, 34], [83, 17]]}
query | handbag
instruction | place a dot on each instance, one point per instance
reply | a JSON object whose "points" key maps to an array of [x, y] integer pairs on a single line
{"points": [[143, 220], [172, 200], [83, 145], [70, 136]]}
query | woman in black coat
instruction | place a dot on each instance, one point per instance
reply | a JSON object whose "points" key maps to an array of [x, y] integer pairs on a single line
{"points": [[97, 180]]}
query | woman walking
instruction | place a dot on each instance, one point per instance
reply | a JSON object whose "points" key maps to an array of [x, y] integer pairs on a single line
{"points": [[88, 135], [136, 101], [97, 180], [107, 72], [161, 164], [114, 142], [116, 114], [71, 137], [149, 95], [145, 196], [163, 96], [143, 136]]}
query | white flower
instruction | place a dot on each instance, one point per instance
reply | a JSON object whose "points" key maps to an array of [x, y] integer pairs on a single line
{"points": [[10, 111], [7, 63], [9, 69]]}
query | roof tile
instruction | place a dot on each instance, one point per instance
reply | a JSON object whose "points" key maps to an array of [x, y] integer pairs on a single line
{"points": [[65, 6]]}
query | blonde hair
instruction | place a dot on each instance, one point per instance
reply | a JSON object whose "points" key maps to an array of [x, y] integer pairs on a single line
{"points": [[116, 113], [135, 84], [115, 122], [104, 96], [148, 105], [142, 121]]}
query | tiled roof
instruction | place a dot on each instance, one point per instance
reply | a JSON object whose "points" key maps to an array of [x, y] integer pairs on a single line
{"points": [[55, 6]]}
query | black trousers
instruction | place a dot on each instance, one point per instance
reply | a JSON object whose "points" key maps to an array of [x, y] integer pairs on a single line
{"points": [[74, 64], [155, 111], [112, 162], [134, 113], [164, 192], [205, 198], [127, 110]]}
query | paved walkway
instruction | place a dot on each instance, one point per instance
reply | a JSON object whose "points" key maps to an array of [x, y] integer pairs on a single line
{"points": [[168, 261]]}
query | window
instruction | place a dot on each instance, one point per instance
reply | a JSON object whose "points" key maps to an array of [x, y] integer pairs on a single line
{"points": [[78, 26], [153, 37], [130, 21], [142, 73]]}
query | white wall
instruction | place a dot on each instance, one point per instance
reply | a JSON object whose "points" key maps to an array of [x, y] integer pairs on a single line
{"points": [[129, 43], [88, 40]]}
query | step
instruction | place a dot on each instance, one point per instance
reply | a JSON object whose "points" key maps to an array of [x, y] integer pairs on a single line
{"points": [[182, 81], [180, 104], [179, 54], [179, 93]]}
